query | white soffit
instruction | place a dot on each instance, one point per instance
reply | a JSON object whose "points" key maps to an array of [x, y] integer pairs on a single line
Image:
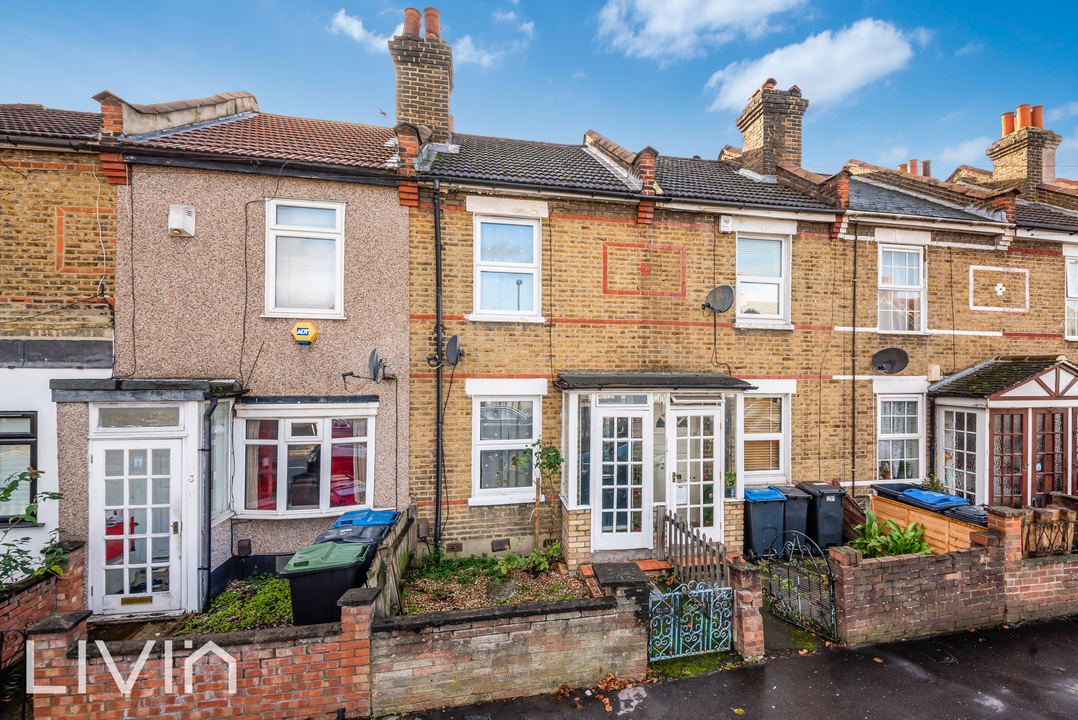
{"points": [[505, 386], [485, 205], [902, 237], [912, 385], [764, 226]]}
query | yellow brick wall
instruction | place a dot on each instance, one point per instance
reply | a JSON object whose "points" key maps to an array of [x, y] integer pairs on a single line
{"points": [[661, 330], [57, 244]]}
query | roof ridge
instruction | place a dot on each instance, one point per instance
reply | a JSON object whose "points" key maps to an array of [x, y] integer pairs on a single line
{"points": [[327, 120], [533, 142], [956, 187]]}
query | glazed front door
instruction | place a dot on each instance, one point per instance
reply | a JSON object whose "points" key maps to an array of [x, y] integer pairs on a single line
{"points": [[1049, 455], [694, 463], [135, 526], [621, 441], [1009, 463]]}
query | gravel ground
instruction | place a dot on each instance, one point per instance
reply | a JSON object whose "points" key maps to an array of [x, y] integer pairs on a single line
{"points": [[438, 595]]}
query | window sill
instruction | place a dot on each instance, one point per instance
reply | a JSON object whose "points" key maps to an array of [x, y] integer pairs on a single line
{"points": [[304, 316], [745, 325], [293, 514], [5, 523], [503, 499], [906, 332], [479, 317]]}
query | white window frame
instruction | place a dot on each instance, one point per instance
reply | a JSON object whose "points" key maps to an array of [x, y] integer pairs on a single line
{"points": [[495, 390], [782, 320], [922, 289], [919, 436], [534, 268], [219, 515], [322, 414], [164, 430], [746, 478], [1070, 304], [273, 230]]}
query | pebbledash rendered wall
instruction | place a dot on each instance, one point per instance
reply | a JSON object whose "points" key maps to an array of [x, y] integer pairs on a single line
{"points": [[907, 596], [590, 327]]}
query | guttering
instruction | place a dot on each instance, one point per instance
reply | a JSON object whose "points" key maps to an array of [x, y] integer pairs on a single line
{"points": [[76, 145], [986, 227], [260, 166], [439, 331]]}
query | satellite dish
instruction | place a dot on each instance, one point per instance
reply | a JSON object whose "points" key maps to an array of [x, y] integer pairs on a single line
{"points": [[453, 351], [891, 360], [720, 299], [372, 365]]}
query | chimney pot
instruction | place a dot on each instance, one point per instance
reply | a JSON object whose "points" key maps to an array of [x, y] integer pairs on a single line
{"points": [[770, 83], [1023, 115], [913, 167], [1037, 116], [926, 168], [411, 22], [1008, 123], [432, 22], [904, 167]]}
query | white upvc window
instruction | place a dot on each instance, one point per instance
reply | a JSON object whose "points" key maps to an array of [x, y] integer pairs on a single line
{"points": [[220, 459], [304, 462], [1072, 299], [507, 283], [304, 259], [900, 437], [960, 452], [765, 439], [763, 281], [502, 427], [902, 289]]}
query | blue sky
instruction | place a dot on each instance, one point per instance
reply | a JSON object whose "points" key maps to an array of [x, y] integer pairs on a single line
{"points": [[887, 81]]}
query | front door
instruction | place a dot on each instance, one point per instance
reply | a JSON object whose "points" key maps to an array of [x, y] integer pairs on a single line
{"points": [[135, 526], [622, 442], [1049, 455], [694, 446]]}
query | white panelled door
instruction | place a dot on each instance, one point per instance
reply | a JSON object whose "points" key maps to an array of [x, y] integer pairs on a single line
{"points": [[621, 444], [694, 447], [134, 500]]}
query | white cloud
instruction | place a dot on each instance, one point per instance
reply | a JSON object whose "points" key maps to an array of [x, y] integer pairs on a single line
{"points": [[353, 27], [466, 51], [500, 14], [528, 28], [1063, 111], [893, 155], [970, 48], [669, 29], [965, 153], [828, 67], [578, 74]]}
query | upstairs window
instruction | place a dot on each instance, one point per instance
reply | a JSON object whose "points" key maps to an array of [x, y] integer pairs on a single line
{"points": [[763, 274], [304, 259], [902, 290], [507, 281], [1072, 300]]}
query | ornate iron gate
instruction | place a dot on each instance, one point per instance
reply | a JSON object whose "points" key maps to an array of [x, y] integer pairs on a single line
{"points": [[693, 619], [13, 698], [798, 584]]}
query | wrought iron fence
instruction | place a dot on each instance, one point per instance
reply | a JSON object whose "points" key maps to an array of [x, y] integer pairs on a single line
{"points": [[1049, 537], [693, 619], [798, 585], [13, 699], [693, 557]]}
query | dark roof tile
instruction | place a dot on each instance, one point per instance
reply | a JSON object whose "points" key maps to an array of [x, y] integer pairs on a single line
{"points": [[869, 197], [38, 121], [993, 376], [719, 181], [1033, 215]]}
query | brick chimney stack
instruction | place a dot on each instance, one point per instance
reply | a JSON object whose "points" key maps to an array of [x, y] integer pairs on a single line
{"points": [[1027, 152], [771, 128], [424, 67]]}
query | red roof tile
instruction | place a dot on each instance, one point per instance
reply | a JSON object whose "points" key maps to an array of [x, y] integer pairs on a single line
{"points": [[38, 121], [278, 137]]}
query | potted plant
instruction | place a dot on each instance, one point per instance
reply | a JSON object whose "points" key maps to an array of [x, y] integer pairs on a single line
{"points": [[885, 470], [730, 478]]}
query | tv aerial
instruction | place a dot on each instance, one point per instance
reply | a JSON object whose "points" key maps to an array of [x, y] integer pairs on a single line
{"points": [[720, 299], [376, 370], [891, 360], [453, 354]]}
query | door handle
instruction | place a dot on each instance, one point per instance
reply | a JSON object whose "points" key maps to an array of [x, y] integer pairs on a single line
{"points": [[176, 528], [677, 477]]}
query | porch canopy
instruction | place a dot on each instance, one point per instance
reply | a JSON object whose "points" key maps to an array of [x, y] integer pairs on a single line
{"points": [[651, 381], [1007, 429]]}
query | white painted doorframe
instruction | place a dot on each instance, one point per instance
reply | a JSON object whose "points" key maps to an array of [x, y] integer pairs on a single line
{"points": [[627, 540], [675, 464]]}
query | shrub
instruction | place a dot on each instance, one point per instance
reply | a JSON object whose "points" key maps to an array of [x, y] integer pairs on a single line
{"points": [[875, 541], [261, 601], [17, 561]]}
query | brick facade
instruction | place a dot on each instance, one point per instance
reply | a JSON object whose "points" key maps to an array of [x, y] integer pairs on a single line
{"points": [[771, 128], [424, 69], [57, 245], [27, 603]]}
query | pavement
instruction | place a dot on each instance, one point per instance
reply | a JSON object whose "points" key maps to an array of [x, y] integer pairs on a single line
{"points": [[1012, 673]]}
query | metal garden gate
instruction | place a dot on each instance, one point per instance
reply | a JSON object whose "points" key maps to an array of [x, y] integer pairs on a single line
{"points": [[13, 698], [693, 619], [798, 584]]}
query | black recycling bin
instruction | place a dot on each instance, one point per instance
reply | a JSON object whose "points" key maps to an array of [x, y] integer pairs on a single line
{"points": [[795, 517], [972, 514], [372, 534], [763, 519], [918, 497], [318, 575], [824, 524]]}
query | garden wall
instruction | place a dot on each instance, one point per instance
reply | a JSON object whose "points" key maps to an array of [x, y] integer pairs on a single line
{"points": [[29, 602], [467, 656]]}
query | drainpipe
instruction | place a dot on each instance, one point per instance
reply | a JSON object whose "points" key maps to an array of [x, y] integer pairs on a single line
{"points": [[207, 487], [439, 334], [853, 375]]}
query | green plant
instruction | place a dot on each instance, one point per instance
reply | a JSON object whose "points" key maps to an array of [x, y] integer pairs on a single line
{"points": [[730, 478], [504, 565], [890, 539], [547, 459], [261, 601], [934, 484], [17, 560]]}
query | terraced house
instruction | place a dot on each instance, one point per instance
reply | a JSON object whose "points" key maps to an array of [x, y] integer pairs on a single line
{"points": [[578, 280]]}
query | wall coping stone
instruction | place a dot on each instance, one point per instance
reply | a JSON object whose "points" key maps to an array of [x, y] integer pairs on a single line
{"points": [[1004, 511], [616, 575], [1050, 560], [59, 622], [357, 597], [261, 637], [498, 612]]}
